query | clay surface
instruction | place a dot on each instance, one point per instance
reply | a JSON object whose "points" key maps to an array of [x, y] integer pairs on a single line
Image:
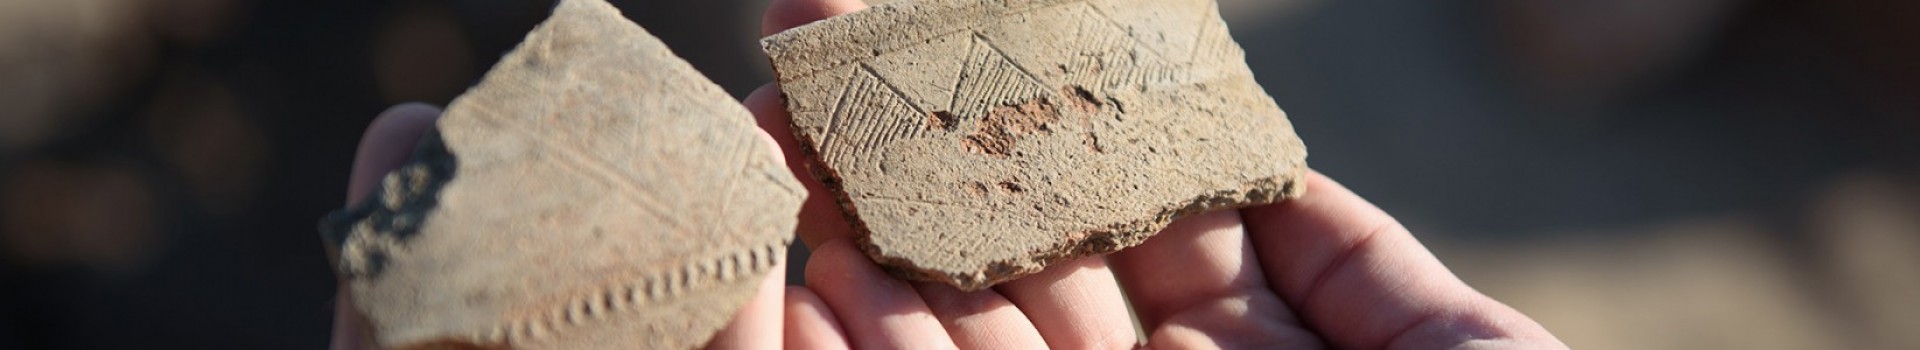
{"points": [[593, 192], [973, 142]]}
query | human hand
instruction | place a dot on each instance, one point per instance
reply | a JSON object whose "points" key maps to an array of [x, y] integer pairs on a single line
{"points": [[388, 144], [1326, 270]]}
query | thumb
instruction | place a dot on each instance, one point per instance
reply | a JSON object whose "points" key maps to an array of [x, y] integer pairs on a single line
{"points": [[385, 146]]}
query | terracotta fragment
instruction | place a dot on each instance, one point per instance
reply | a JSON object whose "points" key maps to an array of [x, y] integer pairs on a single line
{"points": [[592, 192], [973, 142]]}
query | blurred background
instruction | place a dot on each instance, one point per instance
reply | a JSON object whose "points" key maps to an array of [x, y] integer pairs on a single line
{"points": [[1638, 174]]}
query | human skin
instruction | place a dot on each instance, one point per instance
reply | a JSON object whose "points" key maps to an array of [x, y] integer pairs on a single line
{"points": [[1328, 269], [1325, 270]]}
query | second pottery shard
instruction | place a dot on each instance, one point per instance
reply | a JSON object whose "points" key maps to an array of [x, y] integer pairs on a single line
{"points": [[974, 142]]}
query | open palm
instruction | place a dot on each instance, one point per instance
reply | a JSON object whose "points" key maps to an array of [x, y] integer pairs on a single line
{"points": [[1326, 270]]}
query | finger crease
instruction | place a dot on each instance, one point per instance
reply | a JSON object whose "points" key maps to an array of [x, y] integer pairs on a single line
{"points": [[1346, 253], [1409, 328]]}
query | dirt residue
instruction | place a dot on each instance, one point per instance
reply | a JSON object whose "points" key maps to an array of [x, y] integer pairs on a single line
{"points": [[1089, 106], [941, 120], [1081, 99], [1005, 125]]}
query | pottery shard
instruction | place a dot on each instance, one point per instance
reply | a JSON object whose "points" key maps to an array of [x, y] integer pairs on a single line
{"points": [[973, 142], [592, 192]]}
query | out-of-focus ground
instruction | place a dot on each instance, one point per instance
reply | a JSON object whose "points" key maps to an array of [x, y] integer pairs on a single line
{"points": [[1639, 174]]}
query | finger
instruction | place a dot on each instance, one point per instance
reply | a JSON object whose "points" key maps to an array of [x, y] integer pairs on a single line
{"points": [[1242, 321], [386, 145], [350, 330], [1076, 304], [766, 313], [810, 324], [1361, 279], [1193, 264], [786, 14], [1196, 284], [820, 218], [1191, 261], [980, 319], [762, 315], [877, 311]]}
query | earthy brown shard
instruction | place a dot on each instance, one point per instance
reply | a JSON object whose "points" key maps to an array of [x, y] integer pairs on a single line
{"points": [[973, 142], [593, 192]]}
